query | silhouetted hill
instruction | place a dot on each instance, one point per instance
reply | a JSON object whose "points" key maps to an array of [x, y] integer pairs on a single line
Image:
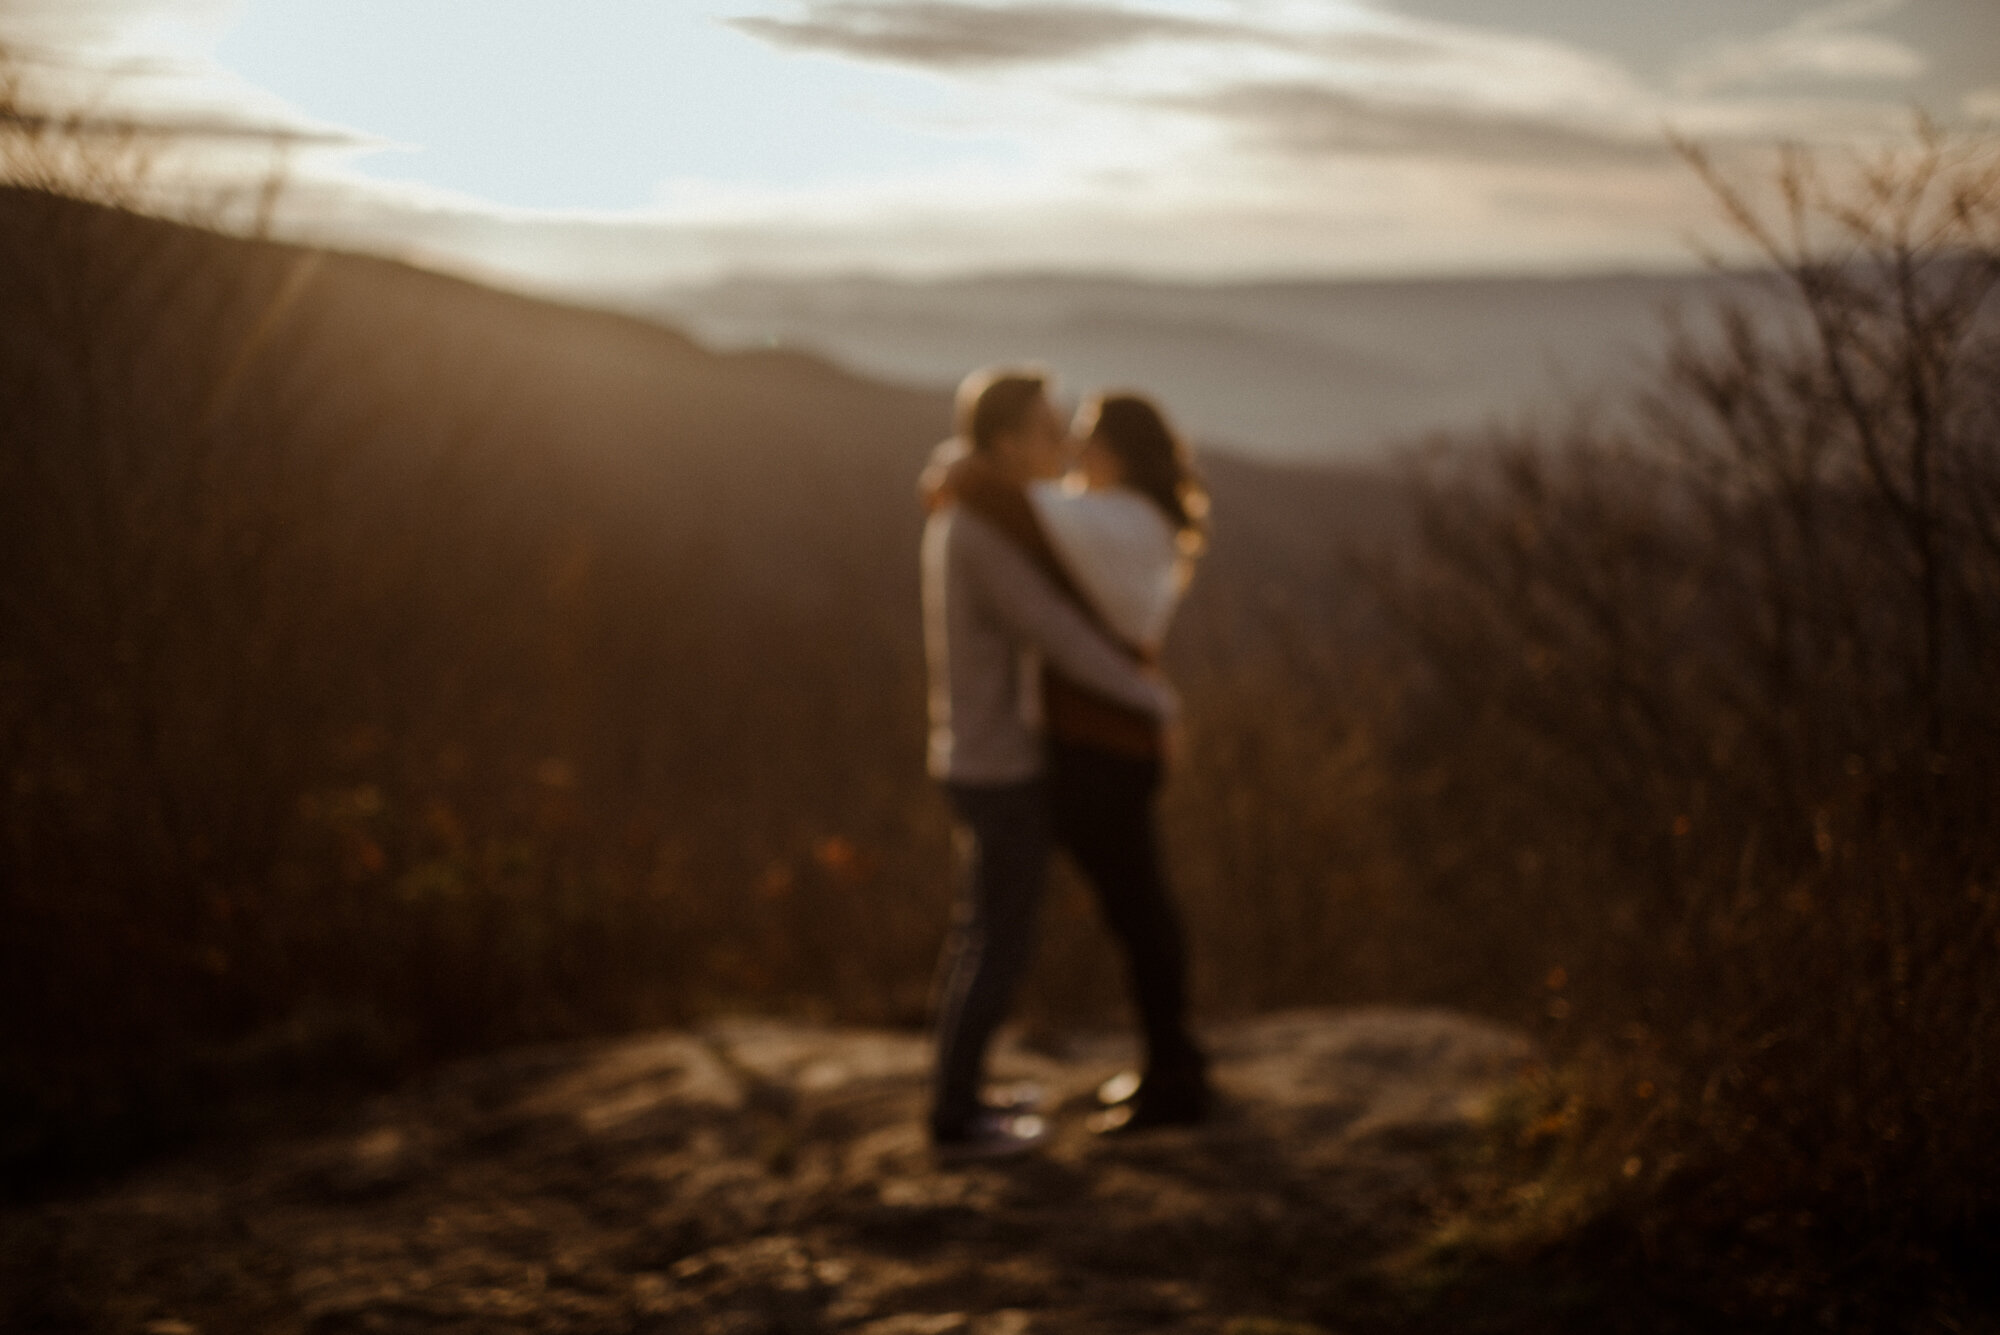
{"points": [[390, 664]]}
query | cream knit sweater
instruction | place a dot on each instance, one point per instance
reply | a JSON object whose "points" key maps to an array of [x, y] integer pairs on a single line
{"points": [[1120, 550]]}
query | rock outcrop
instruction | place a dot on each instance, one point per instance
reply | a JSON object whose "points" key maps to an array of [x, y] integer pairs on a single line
{"points": [[761, 1175]]}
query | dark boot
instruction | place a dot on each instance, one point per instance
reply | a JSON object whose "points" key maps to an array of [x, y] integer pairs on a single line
{"points": [[1176, 1095]]}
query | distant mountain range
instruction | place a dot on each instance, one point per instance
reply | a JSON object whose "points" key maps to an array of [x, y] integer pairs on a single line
{"points": [[1303, 371]]}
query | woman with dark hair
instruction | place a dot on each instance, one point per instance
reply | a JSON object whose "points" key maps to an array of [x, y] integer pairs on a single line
{"points": [[1126, 525]]}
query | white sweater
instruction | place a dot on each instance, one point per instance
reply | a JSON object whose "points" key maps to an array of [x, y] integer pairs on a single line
{"points": [[1121, 551]]}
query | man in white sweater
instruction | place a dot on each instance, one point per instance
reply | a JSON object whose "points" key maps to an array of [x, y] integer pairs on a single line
{"points": [[990, 617]]}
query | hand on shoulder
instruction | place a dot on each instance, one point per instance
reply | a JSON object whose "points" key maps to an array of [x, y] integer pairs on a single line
{"points": [[955, 473]]}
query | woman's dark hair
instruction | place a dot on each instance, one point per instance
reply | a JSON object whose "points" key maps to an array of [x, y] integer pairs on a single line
{"points": [[1154, 459]]}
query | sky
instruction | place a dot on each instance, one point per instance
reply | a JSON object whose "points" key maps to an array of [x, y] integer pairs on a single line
{"points": [[609, 143]]}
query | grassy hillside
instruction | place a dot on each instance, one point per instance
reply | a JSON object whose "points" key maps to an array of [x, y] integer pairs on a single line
{"points": [[391, 665]]}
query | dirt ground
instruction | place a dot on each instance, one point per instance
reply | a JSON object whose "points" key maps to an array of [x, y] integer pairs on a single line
{"points": [[762, 1176]]}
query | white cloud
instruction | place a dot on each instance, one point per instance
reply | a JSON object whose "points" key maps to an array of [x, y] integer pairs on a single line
{"points": [[100, 29], [1244, 137], [136, 77], [953, 35], [1167, 136], [147, 59], [1827, 43]]}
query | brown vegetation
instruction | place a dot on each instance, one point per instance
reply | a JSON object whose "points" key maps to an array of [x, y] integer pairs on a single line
{"points": [[398, 676], [1711, 708], [393, 667]]}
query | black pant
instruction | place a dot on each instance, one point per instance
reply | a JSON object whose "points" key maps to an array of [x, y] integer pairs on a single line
{"points": [[1003, 836], [1102, 806]]}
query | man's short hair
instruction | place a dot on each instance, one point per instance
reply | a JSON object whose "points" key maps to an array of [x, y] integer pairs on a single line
{"points": [[996, 400]]}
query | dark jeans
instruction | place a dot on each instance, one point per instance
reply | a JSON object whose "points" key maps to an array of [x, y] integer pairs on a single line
{"points": [[1102, 805], [1004, 838]]}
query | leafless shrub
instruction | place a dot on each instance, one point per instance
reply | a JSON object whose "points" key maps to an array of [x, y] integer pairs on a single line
{"points": [[1712, 693]]}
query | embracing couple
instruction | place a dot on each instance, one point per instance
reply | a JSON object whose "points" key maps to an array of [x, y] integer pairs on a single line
{"points": [[1052, 563]]}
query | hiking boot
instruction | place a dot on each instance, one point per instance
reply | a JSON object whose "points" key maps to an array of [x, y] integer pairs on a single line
{"points": [[1024, 1096], [1118, 1089], [1161, 1099], [990, 1134]]}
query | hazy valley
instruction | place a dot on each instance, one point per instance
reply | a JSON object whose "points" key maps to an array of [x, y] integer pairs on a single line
{"points": [[1322, 371]]}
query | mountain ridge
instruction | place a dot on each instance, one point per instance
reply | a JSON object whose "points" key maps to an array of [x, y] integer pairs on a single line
{"points": [[1308, 370]]}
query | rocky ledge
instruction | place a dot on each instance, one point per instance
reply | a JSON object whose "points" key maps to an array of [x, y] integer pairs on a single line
{"points": [[768, 1176]]}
